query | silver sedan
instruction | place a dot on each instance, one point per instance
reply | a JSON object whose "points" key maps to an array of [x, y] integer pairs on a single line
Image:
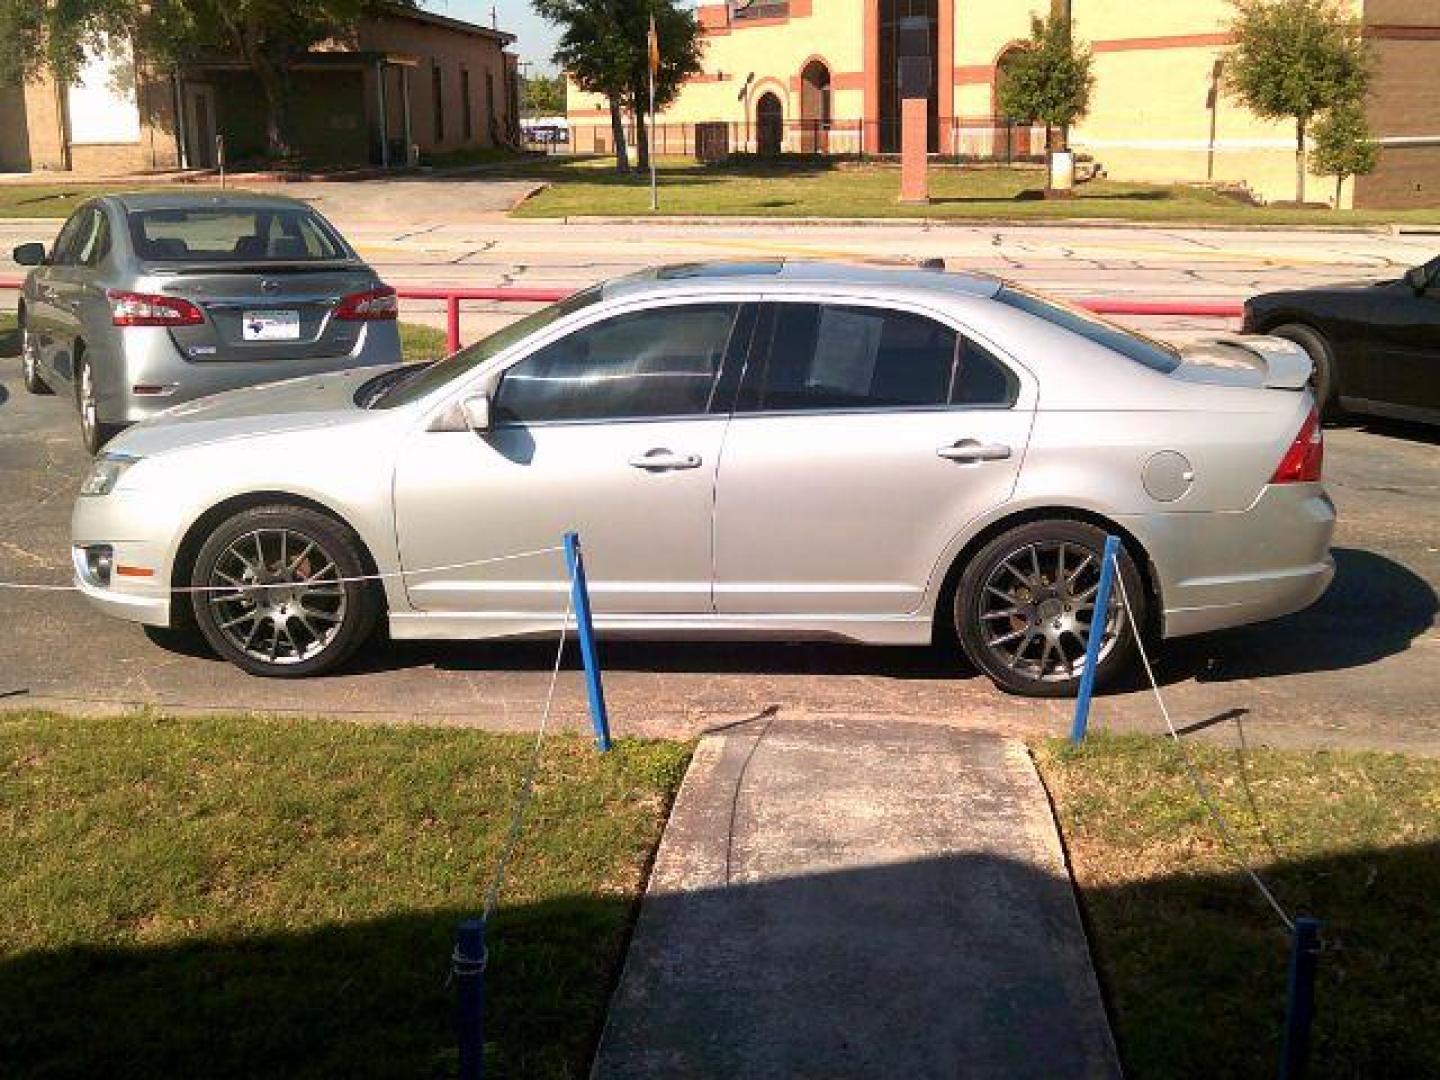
{"points": [[147, 300], [766, 450]]}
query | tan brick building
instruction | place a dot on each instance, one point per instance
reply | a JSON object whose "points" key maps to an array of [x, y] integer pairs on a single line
{"points": [[406, 79], [817, 76]]}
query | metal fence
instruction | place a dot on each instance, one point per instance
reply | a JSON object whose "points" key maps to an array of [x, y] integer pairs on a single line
{"points": [[967, 139]]}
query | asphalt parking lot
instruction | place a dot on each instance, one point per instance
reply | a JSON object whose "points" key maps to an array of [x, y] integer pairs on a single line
{"points": [[1362, 667]]}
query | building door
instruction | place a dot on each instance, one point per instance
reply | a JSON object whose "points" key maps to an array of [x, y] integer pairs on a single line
{"points": [[769, 124], [200, 126], [891, 12], [815, 108]]}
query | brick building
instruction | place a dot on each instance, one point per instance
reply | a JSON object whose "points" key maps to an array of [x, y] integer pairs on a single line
{"points": [[817, 76], [405, 78]]}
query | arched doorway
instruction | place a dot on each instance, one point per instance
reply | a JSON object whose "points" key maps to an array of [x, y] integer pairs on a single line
{"points": [[769, 124], [815, 108]]}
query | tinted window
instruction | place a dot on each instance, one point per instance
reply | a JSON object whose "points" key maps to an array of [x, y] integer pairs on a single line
{"points": [[94, 240], [834, 357], [68, 242], [1127, 343], [661, 362], [232, 234]]}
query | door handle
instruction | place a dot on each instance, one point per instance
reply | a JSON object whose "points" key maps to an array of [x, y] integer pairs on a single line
{"points": [[660, 460], [970, 450]]}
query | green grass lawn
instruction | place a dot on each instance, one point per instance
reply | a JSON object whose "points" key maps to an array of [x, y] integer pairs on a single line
{"points": [[56, 200], [1192, 961], [820, 188], [244, 897]]}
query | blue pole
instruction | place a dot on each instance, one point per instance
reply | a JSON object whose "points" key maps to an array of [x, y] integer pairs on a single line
{"points": [[468, 968], [580, 600], [1300, 998], [1094, 639]]}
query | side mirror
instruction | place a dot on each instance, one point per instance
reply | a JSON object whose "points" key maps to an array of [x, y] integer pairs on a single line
{"points": [[31, 254], [477, 412], [1418, 278]]}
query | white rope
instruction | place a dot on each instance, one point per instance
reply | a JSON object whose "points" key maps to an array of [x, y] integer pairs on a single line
{"points": [[1226, 833], [527, 785], [22, 586]]}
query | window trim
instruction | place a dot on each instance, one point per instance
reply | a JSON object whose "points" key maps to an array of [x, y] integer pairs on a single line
{"points": [[1022, 375]]}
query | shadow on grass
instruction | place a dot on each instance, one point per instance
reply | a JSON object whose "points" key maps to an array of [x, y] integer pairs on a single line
{"points": [[759, 980], [360, 999], [1037, 195]]}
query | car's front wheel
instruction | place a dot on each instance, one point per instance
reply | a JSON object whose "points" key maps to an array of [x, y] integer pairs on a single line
{"points": [[1025, 606], [276, 595]]}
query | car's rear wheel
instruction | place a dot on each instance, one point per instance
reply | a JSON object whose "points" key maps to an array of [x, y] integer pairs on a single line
{"points": [[1025, 606], [94, 432], [30, 358], [276, 598], [1322, 380]]}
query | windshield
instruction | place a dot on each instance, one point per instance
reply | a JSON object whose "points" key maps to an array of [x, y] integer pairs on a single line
{"points": [[212, 234], [1143, 350], [432, 377]]}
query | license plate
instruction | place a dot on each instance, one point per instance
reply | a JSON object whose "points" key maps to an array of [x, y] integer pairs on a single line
{"points": [[278, 325]]}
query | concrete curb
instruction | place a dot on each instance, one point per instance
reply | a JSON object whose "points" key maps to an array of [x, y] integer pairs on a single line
{"points": [[722, 221]]}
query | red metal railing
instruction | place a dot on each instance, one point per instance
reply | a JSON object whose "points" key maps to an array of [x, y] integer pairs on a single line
{"points": [[454, 297]]}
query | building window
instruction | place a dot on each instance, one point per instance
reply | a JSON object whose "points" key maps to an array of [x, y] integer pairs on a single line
{"points": [[437, 91], [763, 9], [466, 118]]}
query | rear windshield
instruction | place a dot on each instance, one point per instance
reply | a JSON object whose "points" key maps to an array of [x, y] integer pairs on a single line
{"points": [[233, 234], [1143, 350]]}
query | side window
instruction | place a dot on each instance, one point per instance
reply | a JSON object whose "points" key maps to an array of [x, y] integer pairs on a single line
{"points": [[95, 242], [833, 357], [661, 362], [982, 380], [63, 253]]}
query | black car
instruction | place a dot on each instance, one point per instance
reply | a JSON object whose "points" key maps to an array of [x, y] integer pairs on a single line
{"points": [[1376, 348]]}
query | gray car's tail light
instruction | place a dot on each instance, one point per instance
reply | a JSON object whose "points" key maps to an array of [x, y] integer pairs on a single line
{"points": [[373, 304], [147, 309]]}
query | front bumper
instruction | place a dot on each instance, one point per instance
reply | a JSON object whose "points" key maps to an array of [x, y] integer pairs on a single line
{"points": [[122, 599], [1219, 570], [142, 531]]}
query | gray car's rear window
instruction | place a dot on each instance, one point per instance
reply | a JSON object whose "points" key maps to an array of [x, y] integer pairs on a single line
{"points": [[233, 234], [1141, 349]]}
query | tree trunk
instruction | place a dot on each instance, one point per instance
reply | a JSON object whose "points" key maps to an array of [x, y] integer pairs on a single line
{"points": [[642, 141], [617, 131], [1339, 183], [274, 87], [1299, 161]]}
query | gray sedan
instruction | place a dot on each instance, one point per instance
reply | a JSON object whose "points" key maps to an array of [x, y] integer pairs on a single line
{"points": [[145, 301], [766, 450]]}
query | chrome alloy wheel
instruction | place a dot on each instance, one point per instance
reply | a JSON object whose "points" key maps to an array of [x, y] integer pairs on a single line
{"points": [[278, 596], [28, 349], [1038, 607]]}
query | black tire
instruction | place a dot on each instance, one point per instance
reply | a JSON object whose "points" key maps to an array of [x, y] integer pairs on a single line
{"points": [[30, 361], [1322, 382], [356, 603], [1050, 622], [94, 432]]}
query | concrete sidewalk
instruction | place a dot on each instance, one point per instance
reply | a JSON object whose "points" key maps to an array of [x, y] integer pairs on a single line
{"points": [[848, 898]]}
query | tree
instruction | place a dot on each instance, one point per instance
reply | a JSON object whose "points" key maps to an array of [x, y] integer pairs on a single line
{"points": [[269, 35], [544, 95], [1047, 80], [603, 47], [1344, 146], [1296, 59]]}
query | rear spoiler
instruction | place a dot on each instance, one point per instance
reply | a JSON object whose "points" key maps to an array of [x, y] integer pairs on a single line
{"points": [[1286, 365], [162, 267]]}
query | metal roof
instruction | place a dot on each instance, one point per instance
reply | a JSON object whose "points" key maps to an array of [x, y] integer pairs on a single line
{"points": [[749, 274], [182, 199]]}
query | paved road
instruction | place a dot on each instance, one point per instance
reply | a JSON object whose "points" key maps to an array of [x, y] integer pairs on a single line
{"points": [[1362, 667]]}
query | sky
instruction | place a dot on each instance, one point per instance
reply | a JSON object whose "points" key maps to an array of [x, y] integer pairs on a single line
{"points": [[534, 37]]}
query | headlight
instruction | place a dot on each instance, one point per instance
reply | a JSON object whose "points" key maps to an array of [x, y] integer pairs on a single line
{"points": [[106, 473]]}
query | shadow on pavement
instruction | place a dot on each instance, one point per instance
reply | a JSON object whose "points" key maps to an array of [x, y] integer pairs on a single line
{"points": [[1193, 967]]}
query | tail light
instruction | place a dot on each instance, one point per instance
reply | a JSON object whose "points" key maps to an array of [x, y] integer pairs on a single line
{"points": [[377, 303], [1303, 461], [146, 309]]}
